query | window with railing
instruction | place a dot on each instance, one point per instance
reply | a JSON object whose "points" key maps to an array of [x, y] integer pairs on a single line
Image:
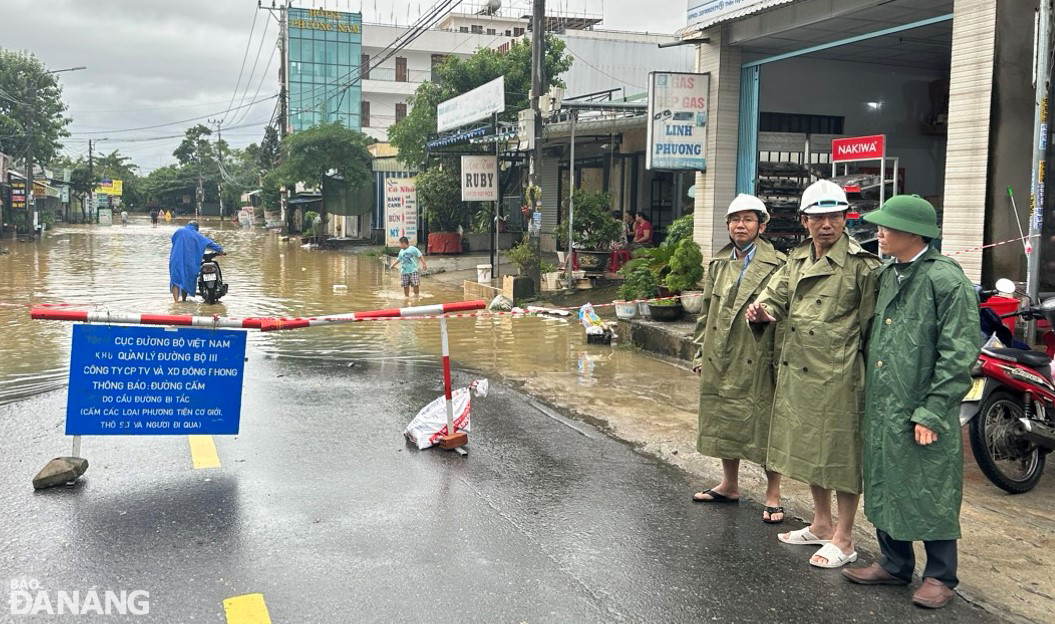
{"points": [[388, 74]]}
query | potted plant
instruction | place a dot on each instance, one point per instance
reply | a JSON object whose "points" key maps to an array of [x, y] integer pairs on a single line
{"points": [[686, 271], [479, 235], [524, 257], [639, 283], [439, 193], [595, 229], [666, 310]]}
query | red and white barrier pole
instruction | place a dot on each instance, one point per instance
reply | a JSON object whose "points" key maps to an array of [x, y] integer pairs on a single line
{"points": [[340, 319], [125, 318], [447, 385]]}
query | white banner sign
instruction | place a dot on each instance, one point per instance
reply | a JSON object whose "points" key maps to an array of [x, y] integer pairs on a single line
{"points": [[677, 127], [479, 178], [401, 211], [711, 10], [480, 103]]}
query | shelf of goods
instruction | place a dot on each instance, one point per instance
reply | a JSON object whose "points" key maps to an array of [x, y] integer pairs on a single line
{"points": [[788, 162]]}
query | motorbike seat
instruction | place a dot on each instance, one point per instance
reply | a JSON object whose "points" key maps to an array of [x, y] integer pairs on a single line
{"points": [[1032, 359]]}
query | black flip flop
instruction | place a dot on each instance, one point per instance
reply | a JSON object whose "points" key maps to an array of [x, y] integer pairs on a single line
{"points": [[715, 498], [775, 510]]}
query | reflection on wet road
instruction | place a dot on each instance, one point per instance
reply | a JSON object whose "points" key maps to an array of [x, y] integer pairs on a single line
{"points": [[125, 268]]}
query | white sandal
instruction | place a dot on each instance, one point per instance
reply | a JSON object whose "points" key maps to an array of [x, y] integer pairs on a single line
{"points": [[835, 556], [802, 537]]}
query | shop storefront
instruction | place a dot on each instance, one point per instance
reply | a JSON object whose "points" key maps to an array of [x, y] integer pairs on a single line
{"points": [[790, 76]]}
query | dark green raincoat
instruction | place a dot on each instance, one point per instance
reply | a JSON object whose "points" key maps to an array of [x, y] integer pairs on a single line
{"points": [[826, 307], [736, 370], [925, 338]]}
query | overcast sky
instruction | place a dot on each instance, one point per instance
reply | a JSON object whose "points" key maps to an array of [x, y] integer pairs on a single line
{"points": [[153, 62]]}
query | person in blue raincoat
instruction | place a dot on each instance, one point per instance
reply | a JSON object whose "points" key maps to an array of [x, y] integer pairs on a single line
{"points": [[188, 246]]}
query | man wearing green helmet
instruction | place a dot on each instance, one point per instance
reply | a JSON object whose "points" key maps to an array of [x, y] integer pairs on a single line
{"points": [[925, 337]]}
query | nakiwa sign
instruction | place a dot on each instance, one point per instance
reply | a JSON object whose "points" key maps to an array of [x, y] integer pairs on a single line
{"points": [[677, 121], [859, 148]]}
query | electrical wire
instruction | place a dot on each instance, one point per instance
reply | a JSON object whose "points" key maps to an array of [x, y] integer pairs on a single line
{"points": [[259, 86], [173, 123], [245, 55], [252, 72]]}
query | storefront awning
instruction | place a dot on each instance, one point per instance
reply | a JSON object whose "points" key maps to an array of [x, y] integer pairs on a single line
{"points": [[595, 126], [706, 13]]}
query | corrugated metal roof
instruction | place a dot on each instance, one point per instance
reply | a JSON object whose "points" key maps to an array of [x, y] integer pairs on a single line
{"points": [[762, 5], [389, 165], [603, 126]]}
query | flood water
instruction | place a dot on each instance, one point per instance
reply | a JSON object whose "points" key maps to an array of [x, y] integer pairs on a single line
{"points": [[125, 269]]}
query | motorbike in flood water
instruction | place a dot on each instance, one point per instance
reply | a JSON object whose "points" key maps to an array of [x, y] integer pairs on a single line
{"points": [[1011, 405], [211, 286]]}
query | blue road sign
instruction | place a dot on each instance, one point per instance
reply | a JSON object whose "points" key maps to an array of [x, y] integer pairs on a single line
{"points": [[154, 381]]}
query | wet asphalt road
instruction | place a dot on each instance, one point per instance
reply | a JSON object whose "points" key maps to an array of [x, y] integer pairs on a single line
{"points": [[321, 506]]}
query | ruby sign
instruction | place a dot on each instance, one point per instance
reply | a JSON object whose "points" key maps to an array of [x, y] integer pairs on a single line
{"points": [[859, 148]]}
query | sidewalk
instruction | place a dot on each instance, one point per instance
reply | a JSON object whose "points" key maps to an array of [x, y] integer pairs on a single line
{"points": [[1007, 553]]}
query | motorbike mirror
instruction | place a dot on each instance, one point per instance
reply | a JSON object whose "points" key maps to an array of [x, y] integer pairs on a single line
{"points": [[1005, 286], [1048, 305]]}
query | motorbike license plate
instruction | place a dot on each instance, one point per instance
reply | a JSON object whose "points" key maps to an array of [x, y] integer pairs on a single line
{"points": [[977, 388], [209, 277]]}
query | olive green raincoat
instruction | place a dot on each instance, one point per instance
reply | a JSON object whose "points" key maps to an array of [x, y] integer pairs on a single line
{"points": [[925, 338], [736, 370], [826, 307]]}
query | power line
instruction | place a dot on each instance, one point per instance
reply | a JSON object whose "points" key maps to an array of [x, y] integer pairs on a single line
{"points": [[256, 61], [260, 85], [245, 55], [173, 123]]}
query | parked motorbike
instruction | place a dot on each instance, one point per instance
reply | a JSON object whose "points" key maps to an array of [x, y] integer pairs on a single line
{"points": [[1011, 405], [211, 286]]}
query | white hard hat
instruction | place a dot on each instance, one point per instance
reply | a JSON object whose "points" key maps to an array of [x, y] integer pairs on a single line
{"points": [[745, 202], [823, 197]]}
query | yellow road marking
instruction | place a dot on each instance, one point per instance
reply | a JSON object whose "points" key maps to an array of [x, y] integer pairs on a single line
{"points": [[203, 451], [247, 609]]}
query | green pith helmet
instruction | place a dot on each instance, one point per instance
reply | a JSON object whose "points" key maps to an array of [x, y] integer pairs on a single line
{"points": [[907, 213]]}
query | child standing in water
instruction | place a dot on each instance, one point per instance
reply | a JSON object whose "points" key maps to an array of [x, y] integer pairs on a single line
{"points": [[411, 262]]}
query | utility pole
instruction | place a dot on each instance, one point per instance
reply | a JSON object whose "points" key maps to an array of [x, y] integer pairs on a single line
{"points": [[538, 82], [219, 155], [91, 178], [200, 194], [31, 203], [1040, 153], [283, 87]]}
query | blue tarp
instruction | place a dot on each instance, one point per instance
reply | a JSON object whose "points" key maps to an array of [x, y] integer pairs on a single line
{"points": [[188, 246]]}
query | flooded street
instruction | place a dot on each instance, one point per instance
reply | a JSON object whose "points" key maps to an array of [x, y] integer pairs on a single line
{"points": [[125, 268]]}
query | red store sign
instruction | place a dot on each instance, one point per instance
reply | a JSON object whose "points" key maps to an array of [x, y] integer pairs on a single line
{"points": [[859, 148]]}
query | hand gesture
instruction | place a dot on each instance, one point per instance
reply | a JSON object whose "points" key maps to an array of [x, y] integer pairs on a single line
{"points": [[925, 436], [757, 313]]}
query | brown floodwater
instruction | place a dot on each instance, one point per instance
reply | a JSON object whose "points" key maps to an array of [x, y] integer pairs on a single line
{"points": [[125, 268]]}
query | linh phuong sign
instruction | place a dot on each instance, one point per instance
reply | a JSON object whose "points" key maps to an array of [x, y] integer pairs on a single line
{"points": [[401, 210], [480, 103], [677, 121], [154, 381], [711, 11], [479, 178]]}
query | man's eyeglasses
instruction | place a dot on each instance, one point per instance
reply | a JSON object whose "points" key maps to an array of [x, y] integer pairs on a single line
{"points": [[744, 220], [831, 217]]}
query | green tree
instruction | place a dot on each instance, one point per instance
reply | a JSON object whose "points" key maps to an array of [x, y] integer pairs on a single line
{"points": [[28, 94], [324, 150], [456, 76], [440, 196], [270, 149], [195, 147]]}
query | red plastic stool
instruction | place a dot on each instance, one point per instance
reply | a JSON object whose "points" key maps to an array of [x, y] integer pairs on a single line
{"points": [[618, 259]]}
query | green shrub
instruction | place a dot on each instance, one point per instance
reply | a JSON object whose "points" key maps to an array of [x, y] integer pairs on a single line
{"points": [[686, 267], [640, 282], [595, 227]]}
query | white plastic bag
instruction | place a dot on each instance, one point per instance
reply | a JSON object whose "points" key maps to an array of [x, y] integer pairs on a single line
{"points": [[431, 422]]}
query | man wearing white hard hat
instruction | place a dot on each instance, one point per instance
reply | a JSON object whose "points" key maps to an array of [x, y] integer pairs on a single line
{"points": [[736, 370], [825, 296]]}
